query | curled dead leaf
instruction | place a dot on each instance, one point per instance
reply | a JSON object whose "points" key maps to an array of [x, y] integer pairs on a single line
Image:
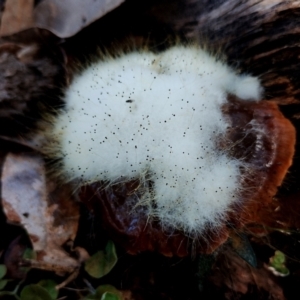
{"points": [[63, 18], [242, 277], [50, 216]]}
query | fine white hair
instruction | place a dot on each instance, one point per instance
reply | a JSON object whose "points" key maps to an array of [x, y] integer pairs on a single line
{"points": [[160, 115]]}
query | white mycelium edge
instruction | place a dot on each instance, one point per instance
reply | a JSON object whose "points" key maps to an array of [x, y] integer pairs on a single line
{"points": [[157, 117]]}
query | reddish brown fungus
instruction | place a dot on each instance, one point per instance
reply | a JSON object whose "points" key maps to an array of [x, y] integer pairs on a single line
{"points": [[259, 135]]}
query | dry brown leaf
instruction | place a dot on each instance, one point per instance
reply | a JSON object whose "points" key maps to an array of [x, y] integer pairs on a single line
{"points": [[66, 18], [63, 18], [49, 216], [17, 16], [241, 276]]}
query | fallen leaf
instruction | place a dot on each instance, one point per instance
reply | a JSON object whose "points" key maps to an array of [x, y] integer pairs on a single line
{"points": [[49, 286], [35, 292], [63, 18], [101, 263], [66, 18], [17, 16], [49, 215], [241, 277]]}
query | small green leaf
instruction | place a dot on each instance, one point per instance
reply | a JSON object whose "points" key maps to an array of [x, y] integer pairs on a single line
{"points": [[278, 263], [105, 292], [110, 296], [34, 292], [102, 262], [28, 254], [278, 258], [3, 283], [49, 286], [3, 271], [101, 289]]}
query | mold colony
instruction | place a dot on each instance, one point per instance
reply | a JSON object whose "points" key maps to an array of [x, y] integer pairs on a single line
{"points": [[175, 142]]}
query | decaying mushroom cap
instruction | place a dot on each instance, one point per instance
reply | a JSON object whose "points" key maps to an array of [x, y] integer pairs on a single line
{"points": [[242, 32], [180, 139], [259, 133], [255, 36]]}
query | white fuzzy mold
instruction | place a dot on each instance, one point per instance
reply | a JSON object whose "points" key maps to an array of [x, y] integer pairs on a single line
{"points": [[156, 117]]}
